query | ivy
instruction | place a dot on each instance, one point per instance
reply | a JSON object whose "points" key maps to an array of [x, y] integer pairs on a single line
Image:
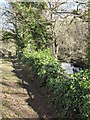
{"points": [[69, 97]]}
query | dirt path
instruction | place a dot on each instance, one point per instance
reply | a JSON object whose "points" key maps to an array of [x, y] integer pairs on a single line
{"points": [[21, 100]]}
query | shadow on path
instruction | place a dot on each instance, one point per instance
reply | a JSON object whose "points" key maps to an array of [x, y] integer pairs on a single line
{"points": [[36, 99]]}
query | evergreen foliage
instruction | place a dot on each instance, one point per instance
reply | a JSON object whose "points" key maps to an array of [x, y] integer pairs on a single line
{"points": [[31, 33], [70, 97]]}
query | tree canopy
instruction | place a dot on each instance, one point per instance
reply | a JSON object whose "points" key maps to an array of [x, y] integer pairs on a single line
{"points": [[59, 25]]}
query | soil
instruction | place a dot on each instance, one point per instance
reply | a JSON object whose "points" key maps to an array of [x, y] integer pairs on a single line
{"points": [[21, 96]]}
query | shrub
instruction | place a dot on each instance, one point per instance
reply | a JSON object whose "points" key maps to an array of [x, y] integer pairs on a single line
{"points": [[70, 97], [19, 54], [9, 53]]}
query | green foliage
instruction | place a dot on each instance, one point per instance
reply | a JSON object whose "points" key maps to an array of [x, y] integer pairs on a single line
{"points": [[72, 97], [7, 36], [69, 97], [9, 54], [29, 25], [88, 52], [33, 23]]}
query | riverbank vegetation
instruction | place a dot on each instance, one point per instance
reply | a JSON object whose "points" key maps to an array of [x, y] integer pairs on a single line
{"points": [[45, 34]]}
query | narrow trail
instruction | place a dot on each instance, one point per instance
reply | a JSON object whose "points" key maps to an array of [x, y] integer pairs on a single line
{"points": [[21, 99]]}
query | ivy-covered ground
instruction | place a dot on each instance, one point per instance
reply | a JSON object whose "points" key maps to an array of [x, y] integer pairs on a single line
{"points": [[33, 88], [22, 100], [69, 93]]}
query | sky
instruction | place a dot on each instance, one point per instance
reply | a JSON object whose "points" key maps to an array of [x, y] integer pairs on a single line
{"points": [[70, 5], [2, 1], [36, 0], [42, 0], [2, 4]]}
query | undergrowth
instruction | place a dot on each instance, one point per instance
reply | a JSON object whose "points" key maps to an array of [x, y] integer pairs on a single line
{"points": [[70, 97]]}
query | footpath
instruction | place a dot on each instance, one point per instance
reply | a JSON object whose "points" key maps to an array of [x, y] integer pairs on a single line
{"points": [[21, 99]]}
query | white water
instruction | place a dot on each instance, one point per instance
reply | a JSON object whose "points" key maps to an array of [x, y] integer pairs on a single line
{"points": [[69, 68]]}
